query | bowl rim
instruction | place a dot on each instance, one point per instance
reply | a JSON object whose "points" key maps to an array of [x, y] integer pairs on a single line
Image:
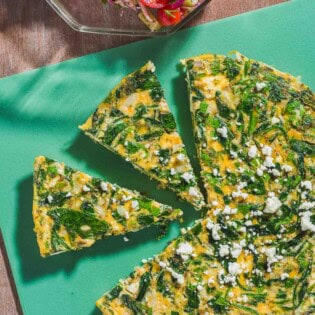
{"points": [[58, 7]]}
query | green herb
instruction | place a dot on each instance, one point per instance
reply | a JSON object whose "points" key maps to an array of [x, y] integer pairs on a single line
{"points": [[245, 308], [74, 220], [133, 147], [58, 198], [131, 304], [114, 293], [224, 110], [160, 284], [215, 67], [143, 286], [302, 147], [151, 135], [192, 296], [231, 67], [164, 156], [52, 170], [57, 242], [145, 220], [87, 206], [113, 131], [168, 121], [203, 107], [116, 113], [219, 304], [141, 110]]}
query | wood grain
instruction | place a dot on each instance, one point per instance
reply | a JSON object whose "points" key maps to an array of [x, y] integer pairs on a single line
{"points": [[32, 35]]}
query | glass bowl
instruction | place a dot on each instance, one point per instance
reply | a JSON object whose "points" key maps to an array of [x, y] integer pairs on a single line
{"points": [[92, 16]]}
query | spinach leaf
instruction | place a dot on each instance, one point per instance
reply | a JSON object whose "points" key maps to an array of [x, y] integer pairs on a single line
{"points": [[219, 304], [141, 110], [145, 220], [192, 296], [147, 136], [131, 304], [231, 67], [302, 147], [57, 242], [143, 286], [113, 131], [164, 156], [114, 293], [224, 110], [74, 220]]}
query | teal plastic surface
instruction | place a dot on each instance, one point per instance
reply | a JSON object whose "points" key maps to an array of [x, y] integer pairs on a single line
{"points": [[39, 114]]}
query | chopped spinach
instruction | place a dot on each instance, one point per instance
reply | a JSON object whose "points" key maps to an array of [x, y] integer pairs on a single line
{"points": [[145, 281], [113, 131]]}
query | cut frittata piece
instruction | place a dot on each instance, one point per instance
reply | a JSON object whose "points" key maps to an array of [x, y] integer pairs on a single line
{"points": [[72, 210], [254, 251], [217, 268], [135, 122], [254, 130]]}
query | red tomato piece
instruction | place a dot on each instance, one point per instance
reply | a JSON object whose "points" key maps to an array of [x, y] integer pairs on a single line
{"points": [[168, 17]]}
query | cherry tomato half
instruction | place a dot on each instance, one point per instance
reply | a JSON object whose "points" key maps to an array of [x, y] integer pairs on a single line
{"points": [[155, 4], [168, 17]]}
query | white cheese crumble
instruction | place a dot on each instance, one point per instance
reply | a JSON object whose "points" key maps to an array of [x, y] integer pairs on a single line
{"points": [[252, 152], [224, 250], [104, 186], [188, 177], [266, 150], [234, 268], [275, 172], [184, 250], [233, 154], [306, 223], [215, 172], [272, 204], [260, 86], [284, 276], [272, 257], [222, 131], [214, 228], [126, 239], [86, 188], [172, 172], [306, 184], [259, 172], [123, 212], [286, 168], [134, 204], [181, 157], [275, 120], [307, 205], [50, 198], [269, 162], [193, 192], [236, 250]]}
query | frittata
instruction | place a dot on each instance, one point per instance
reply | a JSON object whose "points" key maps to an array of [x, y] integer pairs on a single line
{"points": [[72, 210], [253, 252], [135, 122]]}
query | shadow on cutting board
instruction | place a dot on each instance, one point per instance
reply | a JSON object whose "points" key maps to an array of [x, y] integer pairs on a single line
{"points": [[34, 266]]}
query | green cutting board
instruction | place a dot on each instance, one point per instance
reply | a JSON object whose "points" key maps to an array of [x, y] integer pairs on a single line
{"points": [[39, 114]]}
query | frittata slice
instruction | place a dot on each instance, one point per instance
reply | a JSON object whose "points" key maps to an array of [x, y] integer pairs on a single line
{"points": [[254, 129], [254, 252], [218, 269], [135, 122], [72, 210]]}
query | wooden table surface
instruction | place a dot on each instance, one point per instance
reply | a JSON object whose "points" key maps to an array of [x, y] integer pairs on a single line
{"points": [[32, 35]]}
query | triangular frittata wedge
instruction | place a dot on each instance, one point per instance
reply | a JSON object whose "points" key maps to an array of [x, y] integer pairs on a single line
{"points": [[135, 122], [254, 251], [72, 210], [254, 128]]}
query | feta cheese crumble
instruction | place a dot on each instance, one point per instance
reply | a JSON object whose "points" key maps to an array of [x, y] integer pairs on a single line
{"points": [[222, 131], [306, 223], [184, 250], [273, 204], [252, 152]]}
